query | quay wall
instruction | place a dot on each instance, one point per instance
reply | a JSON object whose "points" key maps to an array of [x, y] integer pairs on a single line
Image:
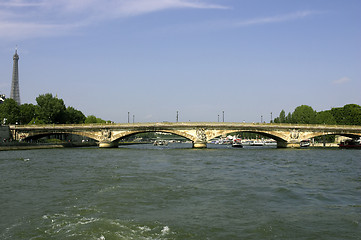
{"points": [[4, 133]]}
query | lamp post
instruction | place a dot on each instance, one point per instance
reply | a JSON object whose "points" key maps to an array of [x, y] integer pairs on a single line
{"points": [[218, 117], [223, 115], [177, 117], [128, 117]]}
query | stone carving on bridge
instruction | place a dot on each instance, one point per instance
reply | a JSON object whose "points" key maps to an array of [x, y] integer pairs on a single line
{"points": [[295, 134], [201, 135], [106, 134]]}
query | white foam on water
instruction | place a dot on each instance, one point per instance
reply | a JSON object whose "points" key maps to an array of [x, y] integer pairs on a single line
{"points": [[165, 230], [101, 238], [88, 225]]}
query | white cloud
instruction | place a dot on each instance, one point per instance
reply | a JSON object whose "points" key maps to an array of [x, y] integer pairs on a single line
{"points": [[19, 3], [34, 18], [234, 23], [275, 19], [342, 80]]}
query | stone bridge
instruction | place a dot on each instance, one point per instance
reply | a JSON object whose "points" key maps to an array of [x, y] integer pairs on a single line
{"points": [[108, 135]]}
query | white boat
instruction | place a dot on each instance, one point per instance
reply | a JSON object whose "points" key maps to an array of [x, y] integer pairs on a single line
{"points": [[237, 143], [305, 143], [160, 143], [270, 143], [253, 143]]}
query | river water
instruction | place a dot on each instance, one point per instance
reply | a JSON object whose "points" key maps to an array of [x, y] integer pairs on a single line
{"points": [[175, 192]]}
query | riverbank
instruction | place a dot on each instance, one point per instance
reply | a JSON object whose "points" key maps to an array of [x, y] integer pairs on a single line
{"points": [[30, 146]]}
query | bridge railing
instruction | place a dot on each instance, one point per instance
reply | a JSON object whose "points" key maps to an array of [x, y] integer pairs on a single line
{"points": [[190, 124]]}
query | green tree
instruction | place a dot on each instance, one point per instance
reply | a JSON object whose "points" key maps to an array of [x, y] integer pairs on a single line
{"points": [[352, 113], [50, 109], [93, 119], [325, 117], [281, 118], [9, 112], [304, 115], [349, 114], [338, 115], [27, 113], [74, 116], [37, 121], [288, 118]]}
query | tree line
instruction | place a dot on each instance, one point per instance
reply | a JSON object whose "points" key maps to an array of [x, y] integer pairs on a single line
{"points": [[52, 110], [49, 110], [349, 114]]}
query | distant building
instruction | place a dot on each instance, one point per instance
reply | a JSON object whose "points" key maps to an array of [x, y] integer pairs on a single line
{"points": [[15, 92], [2, 98]]}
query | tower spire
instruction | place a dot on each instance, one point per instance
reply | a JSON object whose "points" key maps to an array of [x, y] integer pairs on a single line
{"points": [[15, 93]]}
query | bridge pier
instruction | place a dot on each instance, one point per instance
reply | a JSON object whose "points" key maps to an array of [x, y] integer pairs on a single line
{"points": [[108, 144], [199, 144], [288, 145]]}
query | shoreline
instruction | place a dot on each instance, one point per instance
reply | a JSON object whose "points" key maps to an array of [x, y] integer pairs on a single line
{"points": [[11, 147]]}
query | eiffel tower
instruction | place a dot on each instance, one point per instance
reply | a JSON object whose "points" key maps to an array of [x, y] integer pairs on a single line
{"points": [[15, 93]]}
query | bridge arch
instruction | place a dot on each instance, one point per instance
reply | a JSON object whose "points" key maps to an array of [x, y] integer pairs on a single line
{"points": [[121, 135], [320, 134], [38, 135], [263, 133]]}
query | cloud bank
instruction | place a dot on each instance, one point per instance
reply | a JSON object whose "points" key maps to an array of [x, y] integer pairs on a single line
{"points": [[38, 18], [21, 19]]}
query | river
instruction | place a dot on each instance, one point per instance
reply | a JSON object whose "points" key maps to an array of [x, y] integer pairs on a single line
{"points": [[175, 192]]}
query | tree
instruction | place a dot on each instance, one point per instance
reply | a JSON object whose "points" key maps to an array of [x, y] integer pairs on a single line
{"points": [[74, 116], [93, 119], [338, 115], [352, 114], [304, 115], [325, 117], [281, 118], [36, 121], [51, 109], [288, 118], [27, 113], [9, 112], [349, 114]]}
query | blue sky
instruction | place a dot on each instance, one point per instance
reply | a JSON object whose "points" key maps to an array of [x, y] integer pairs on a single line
{"points": [[152, 58]]}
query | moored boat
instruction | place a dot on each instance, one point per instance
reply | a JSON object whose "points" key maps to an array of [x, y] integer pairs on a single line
{"points": [[305, 143], [237, 143], [160, 143], [351, 144]]}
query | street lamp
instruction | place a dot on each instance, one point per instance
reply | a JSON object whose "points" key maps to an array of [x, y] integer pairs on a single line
{"points": [[128, 117], [223, 115]]}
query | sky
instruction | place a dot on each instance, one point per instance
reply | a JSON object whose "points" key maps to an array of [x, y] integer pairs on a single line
{"points": [[247, 58]]}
